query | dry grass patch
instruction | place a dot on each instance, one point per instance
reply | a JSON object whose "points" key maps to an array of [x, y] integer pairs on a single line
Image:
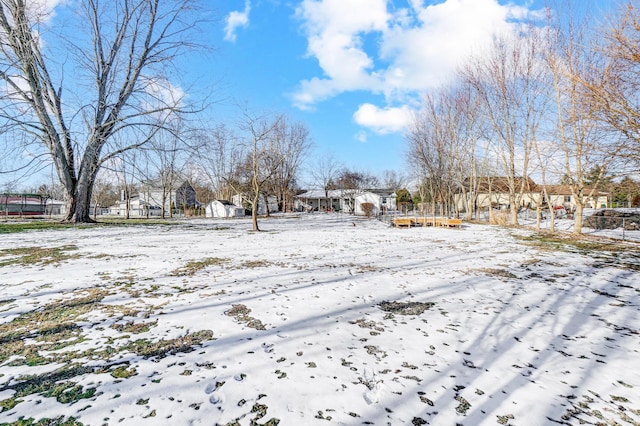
{"points": [[254, 264], [241, 314], [194, 266], [135, 328], [163, 348], [26, 256], [579, 243], [406, 308], [496, 272], [52, 326]]}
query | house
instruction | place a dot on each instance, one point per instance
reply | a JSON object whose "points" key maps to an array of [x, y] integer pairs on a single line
{"points": [[155, 194], [272, 203], [22, 204], [319, 200], [382, 201], [346, 200], [137, 208], [494, 192], [561, 195], [223, 208], [56, 207], [150, 200]]}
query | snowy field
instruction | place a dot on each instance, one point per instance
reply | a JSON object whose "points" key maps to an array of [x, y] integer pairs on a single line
{"points": [[320, 319]]}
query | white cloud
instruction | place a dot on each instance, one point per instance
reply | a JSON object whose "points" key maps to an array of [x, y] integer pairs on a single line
{"points": [[334, 39], [383, 120], [361, 136], [43, 10], [371, 45], [163, 96], [237, 20]]}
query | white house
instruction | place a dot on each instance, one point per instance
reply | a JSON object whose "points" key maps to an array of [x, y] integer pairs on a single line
{"points": [[346, 199], [495, 192], [319, 200], [57, 207], [560, 195], [137, 208], [262, 209], [382, 202], [223, 208], [149, 201]]}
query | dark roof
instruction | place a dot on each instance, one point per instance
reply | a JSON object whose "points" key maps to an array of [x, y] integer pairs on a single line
{"points": [[501, 184]]}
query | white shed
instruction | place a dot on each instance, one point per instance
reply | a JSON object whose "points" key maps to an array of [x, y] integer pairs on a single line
{"points": [[223, 208], [382, 202]]}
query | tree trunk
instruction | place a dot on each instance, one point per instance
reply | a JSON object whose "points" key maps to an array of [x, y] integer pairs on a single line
{"points": [[79, 200], [266, 206], [577, 217], [254, 211], [514, 210]]}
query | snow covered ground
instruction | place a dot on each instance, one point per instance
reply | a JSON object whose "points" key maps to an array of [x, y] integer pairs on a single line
{"points": [[319, 319]]}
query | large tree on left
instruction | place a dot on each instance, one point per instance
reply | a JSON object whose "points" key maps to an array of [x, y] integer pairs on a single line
{"points": [[91, 87]]}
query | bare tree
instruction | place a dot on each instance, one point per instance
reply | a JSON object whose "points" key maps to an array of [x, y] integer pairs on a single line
{"points": [[104, 194], [125, 168], [219, 155], [162, 167], [324, 171], [614, 85], [262, 162], [393, 180], [290, 143], [115, 63], [352, 183], [577, 131], [510, 83], [441, 145]]}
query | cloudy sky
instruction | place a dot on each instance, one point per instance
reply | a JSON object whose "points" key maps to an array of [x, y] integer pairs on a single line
{"points": [[353, 70]]}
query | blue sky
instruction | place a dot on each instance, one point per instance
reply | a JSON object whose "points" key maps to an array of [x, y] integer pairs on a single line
{"points": [[352, 70]]}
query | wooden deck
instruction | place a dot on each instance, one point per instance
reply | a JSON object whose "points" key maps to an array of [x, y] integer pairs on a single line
{"points": [[400, 222]]}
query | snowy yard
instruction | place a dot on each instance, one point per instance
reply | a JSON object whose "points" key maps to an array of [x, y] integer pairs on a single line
{"points": [[321, 319]]}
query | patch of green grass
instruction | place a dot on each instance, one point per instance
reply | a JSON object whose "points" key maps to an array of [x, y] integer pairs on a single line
{"points": [[122, 372], [135, 328], [162, 348], [52, 326], [197, 265], [54, 384], [134, 221], [11, 228], [27, 256]]}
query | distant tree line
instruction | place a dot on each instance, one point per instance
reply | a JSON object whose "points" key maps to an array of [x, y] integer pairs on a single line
{"points": [[557, 100]]}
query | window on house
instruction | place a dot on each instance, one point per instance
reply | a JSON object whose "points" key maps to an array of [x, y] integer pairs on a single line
{"points": [[567, 198]]}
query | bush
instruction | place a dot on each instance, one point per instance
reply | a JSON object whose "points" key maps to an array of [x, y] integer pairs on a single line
{"points": [[367, 208]]}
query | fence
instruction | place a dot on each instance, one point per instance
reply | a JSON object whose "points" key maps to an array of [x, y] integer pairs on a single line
{"points": [[620, 224]]}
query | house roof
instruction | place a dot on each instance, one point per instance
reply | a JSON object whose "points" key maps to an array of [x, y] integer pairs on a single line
{"points": [[340, 193], [501, 184], [566, 190]]}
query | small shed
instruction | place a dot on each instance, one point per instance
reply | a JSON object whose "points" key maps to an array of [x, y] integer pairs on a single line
{"points": [[223, 208], [382, 202]]}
